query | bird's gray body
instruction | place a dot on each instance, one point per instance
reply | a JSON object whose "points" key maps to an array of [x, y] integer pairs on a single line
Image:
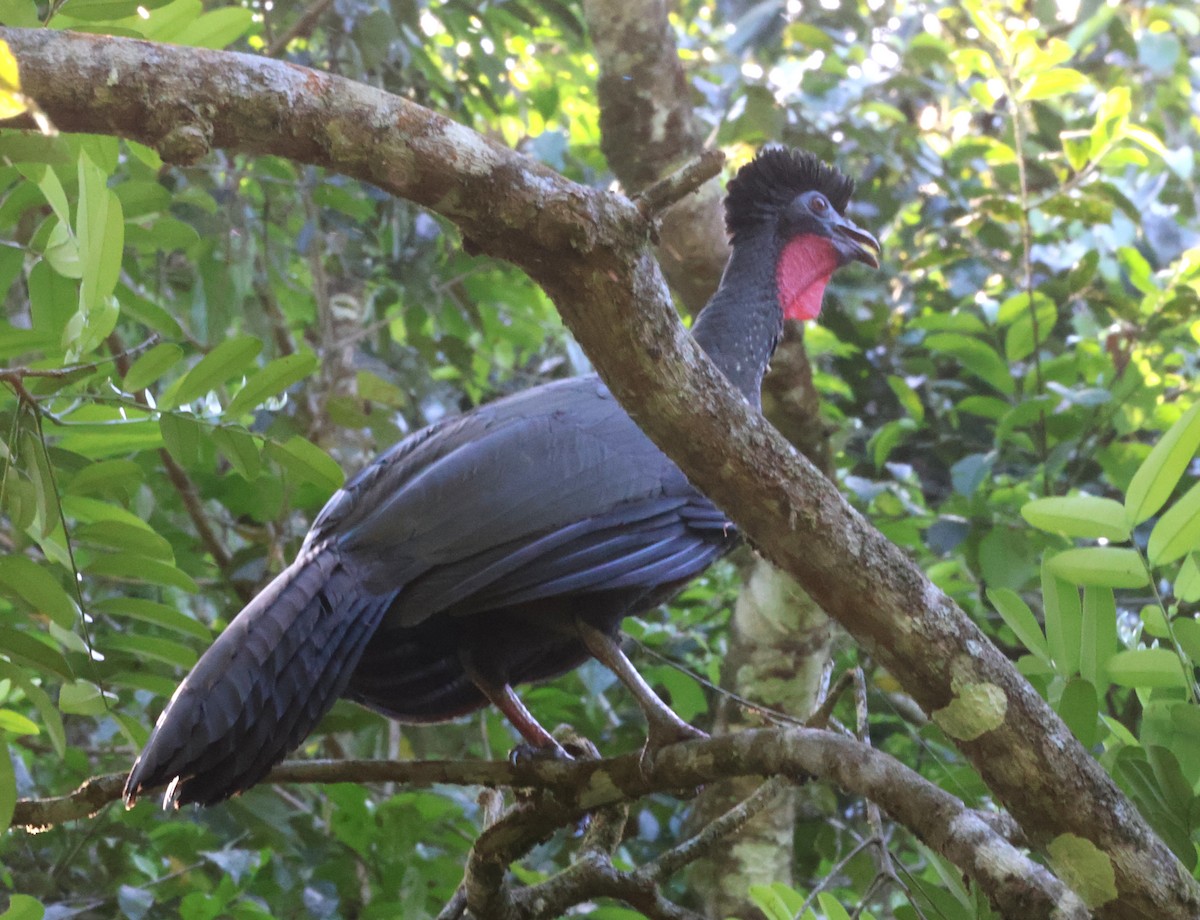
{"points": [[572, 512]]}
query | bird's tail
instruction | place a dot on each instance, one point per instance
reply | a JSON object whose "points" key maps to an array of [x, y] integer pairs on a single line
{"points": [[262, 686]]}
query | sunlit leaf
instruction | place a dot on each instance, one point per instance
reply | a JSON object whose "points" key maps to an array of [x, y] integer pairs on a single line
{"points": [[1080, 708], [272, 380], [81, 698], [1187, 583], [1158, 475], [16, 724], [1103, 566], [41, 590], [232, 357], [1146, 667], [977, 358], [1020, 619], [141, 570], [1098, 633], [152, 365], [1079, 516], [1177, 531], [305, 460], [148, 611], [239, 448], [1049, 84], [1064, 620]]}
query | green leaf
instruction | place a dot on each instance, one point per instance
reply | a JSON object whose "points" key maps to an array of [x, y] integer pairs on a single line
{"points": [[272, 380], [1159, 473], [166, 650], [51, 718], [92, 323], [141, 570], [232, 357], [1080, 709], [16, 724], [36, 586], [977, 358], [307, 462], [1020, 619], [106, 477], [239, 448], [988, 27], [149, 611], [1103, 566], [1064, 620], [152, 365], [218, 28], [50, 186], [34, 456], [53, 299], [770, 900], [831, 907], [61, 252], [1146, 667], [1020, 341], [1079, 516], [181, 435], [81, 698], [100, 229], [1077, 147], [1177, 531], [908, 397], [134, 538], [33, 651], [1049, 84], [102, 10], [1187, 631], [1098, 633], [1187, 582]]}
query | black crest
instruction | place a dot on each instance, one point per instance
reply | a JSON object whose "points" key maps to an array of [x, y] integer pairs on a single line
{"points": [[773, 179]]}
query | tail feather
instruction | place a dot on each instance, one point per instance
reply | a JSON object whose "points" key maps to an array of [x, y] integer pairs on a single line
{"points": [[262, 686]]}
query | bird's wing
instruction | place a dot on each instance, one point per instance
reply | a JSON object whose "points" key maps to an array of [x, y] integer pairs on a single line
{"points": [[643, 544], [538, 494]]}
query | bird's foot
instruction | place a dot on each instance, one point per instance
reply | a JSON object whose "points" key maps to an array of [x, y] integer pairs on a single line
{"points": [[663, 733], [529, 753]]}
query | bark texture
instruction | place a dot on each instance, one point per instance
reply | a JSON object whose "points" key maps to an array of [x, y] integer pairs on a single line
{"points": [[590, 251]]}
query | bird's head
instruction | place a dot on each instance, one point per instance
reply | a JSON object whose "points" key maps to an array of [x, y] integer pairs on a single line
{"points": [[794, 205]]}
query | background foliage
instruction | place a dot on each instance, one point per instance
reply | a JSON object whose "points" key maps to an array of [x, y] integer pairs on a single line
{"points": [[225, 338]]}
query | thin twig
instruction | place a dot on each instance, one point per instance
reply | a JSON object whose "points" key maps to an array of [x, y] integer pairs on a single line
{"points": [[17, 374], [656, 198], [667, 864]]}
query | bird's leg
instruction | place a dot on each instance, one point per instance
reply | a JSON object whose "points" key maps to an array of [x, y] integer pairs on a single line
{"points": [[665, 727], [501, 695]]}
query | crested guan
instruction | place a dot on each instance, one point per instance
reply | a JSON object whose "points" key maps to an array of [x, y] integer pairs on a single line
{"points": [[505, 545]]}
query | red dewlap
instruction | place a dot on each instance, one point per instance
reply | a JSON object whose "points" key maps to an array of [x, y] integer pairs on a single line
{"points": [[803, 271]]}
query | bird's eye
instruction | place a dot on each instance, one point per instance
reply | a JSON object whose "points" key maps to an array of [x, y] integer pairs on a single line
{"points": [[818, 204]]}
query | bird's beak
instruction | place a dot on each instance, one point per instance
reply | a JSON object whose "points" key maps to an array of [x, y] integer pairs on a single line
{"points": [[855, 243]]}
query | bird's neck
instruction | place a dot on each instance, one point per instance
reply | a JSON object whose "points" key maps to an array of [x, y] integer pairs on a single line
{"points": [[741, 325]]}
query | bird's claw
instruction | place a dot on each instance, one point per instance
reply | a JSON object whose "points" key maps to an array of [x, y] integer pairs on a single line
{"points": [[529, 753]]}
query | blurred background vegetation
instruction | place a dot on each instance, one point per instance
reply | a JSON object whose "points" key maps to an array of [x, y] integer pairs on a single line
{"points": [[239, 332]]}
